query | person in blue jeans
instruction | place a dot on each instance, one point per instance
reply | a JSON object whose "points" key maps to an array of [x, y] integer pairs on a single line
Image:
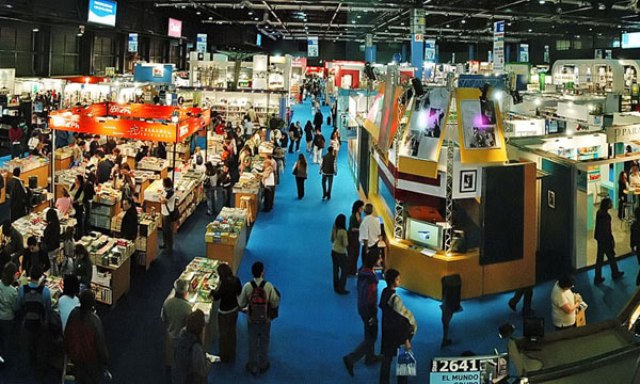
{"points": [[259, 317], [368, 311]]}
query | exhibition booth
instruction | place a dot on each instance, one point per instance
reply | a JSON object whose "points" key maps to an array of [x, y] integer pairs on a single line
{"points": [[440, 204]]}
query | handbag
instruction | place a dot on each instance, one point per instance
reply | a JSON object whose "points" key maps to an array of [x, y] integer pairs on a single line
{"points": [[406, 364]]}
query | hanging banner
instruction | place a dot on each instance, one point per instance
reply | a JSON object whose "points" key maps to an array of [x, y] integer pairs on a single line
{"points": [[418, 22], [546, 58], [312, 46], [480, 134], [430, 50], [93, 119], [133, 42], [523, 54], [368, 40], [201, 43], [498, 46]]}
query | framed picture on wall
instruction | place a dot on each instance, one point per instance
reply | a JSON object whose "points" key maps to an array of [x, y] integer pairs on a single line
{"points": [[468, 180], [551, 199]]}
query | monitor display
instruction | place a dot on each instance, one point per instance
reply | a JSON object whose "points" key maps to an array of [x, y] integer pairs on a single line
{"points": [[425, 234], [103, 12], [553, 126], [631, 40], [175, 28]]}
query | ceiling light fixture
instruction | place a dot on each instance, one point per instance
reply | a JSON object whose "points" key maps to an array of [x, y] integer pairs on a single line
{"points": [[210, 18], [250, 13], [448, 26], [464, 21], [530, 30], [198, 13], [541, 1], [256, 18], [35, 29]]}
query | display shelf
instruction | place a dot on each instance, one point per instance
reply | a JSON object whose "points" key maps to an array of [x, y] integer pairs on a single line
{"points": [[32, 166], [146, 244], [226, 237]]}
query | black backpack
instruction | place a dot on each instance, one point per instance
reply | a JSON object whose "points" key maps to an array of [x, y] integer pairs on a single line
{"points": [[33, 308]]}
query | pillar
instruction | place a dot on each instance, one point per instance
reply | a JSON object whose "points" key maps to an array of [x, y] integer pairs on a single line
{"points": [[417, 40]]}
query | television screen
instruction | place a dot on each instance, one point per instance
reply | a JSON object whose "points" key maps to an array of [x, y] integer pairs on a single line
{"points": [[631, 40], [426, 234], [175, 28], [553, 126], [102, 12]]}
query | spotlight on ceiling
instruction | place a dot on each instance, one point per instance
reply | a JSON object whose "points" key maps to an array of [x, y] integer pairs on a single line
{"points": [[198, 13], [602, 7], [541, 1], [35, 29]]}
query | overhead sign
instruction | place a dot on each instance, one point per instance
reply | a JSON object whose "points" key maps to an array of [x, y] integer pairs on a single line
{"points": [[102, 12], [430, 50], [133, 42], [418, 23], [312, 46], [523, 53], [546, 58], [368, 40], [498, 46], [201, 43], [623, 134], [175, 28], [154, 73], [630, 40]]}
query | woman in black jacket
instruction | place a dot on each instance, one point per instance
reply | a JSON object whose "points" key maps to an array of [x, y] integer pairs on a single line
{"points": [[228, 292], [52, 239], [308, 135]]}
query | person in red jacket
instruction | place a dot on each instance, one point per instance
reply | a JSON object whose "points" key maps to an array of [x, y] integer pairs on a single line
{"points": [[15, 137]]}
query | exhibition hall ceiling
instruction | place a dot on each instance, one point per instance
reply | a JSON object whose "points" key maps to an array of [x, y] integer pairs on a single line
{"points": [[456, 20]]}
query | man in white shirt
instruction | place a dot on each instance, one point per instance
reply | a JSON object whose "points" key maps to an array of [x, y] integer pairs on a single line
{"points": [[369, 232], [564, 304]]}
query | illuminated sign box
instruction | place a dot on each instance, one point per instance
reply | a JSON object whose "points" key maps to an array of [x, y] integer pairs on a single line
{"points": [[103, 12]]}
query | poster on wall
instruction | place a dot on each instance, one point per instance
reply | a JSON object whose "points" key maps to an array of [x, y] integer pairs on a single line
{"points": [[102, 12], [480, 127], [312, 46], [424, 134]]}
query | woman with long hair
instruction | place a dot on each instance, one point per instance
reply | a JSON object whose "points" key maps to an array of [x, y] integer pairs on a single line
{"points": [[353, 250], [228, 292], [191, 365], [52, 239], [84, 267], [308, 135], [339, 243], [300, 172], [210, 183], [77, 196]]}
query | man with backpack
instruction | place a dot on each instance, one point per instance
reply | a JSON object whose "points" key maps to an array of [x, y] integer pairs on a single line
{"points": [[368, 311], [260, 300], [318, 146], [35, 302]]}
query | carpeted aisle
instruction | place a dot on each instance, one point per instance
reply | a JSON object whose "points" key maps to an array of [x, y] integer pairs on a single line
{"points": [[316, 327]]}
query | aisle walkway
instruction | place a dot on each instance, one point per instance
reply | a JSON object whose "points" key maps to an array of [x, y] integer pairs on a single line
{"points": [[316, 327]]}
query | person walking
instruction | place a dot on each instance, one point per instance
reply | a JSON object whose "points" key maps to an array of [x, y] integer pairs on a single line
{"points": [[35, 302], [527, 293], [174, 313], [300, 172], [85, 342], [353, 250], [168, 206], [260, 299], [318, 119], [604, 237], [368, 311], [318, 146], [89, 192], [328, 169], [9, 306], [398, 325], [339, 243], [298, 135], [17, 194], [52, 239], [228, 292], [191, 362], [308, 135]]}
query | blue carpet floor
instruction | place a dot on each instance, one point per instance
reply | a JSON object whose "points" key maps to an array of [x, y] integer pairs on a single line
{"points": [[316, 327]]}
